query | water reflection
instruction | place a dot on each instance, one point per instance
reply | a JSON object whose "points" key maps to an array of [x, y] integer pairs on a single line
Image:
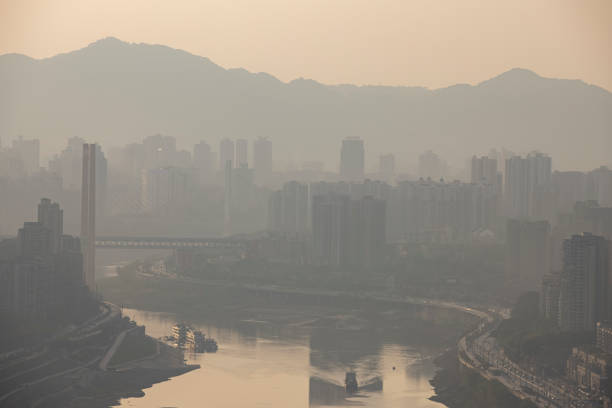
{"points": [[260, 365]]}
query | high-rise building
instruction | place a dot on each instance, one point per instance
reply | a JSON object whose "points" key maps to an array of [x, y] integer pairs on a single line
{"points": [[166, 190], [430, 211], [569, 188], [242, 153], [51, 216], [484, 170], [366, 232], [241, 188], [600, 186], [586, 216], [44, 237], [37, 281], [275, 211], [226, 153], [155, 151], [527, 251], [584, 296], [101, 182], [501, 157], [34, 240], [540, 169], [11, 167], [68, 165], [28, 151], [348, 231], [541, 193], [127, 162], [262, 161], [590, 216], [227, 201], [516, 187], [352, 159], [603, 337], [431, 166], [386, 167], [288, 209], [527, 180], [239, 197], [159, 151], [203, 161], [589, 369], [330, 219], [88, 215], [549, 296]]}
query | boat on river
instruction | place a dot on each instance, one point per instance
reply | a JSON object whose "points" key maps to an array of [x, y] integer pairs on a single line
{"points": [[185, 336]]}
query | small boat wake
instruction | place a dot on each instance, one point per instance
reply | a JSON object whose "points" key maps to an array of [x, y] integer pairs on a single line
{"points": [[330, 392]]}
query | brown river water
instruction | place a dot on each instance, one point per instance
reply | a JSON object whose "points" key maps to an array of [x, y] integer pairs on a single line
{"points": [[260, 366]]}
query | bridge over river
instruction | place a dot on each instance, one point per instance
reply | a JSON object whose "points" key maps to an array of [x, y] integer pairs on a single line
{"points": [[122, 242]]}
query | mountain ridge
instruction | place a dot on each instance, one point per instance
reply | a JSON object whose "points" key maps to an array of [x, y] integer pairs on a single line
{"points": [[116, 42], [117, 92]]}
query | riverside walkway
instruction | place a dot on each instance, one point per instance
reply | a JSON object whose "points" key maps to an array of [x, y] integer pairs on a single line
{"points": [[479, 351]]}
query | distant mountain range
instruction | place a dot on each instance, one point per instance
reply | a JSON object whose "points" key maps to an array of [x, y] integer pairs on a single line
{"points": [[115, 92]]}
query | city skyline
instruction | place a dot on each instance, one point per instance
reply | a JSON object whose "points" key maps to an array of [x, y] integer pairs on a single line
{"points": [[401, 120], [402, 203]]}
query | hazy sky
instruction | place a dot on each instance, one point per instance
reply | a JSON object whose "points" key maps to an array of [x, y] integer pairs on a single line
{"points": [[393, 42]]}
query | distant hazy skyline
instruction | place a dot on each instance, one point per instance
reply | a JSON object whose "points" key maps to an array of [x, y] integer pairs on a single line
{"points": [[432, 43]]}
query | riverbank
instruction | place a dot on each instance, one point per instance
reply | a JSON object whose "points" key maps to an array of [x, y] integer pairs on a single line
{"points": [[299, 310], [273, 366], [434, 323], [71, 368], [318, 313], [91, 387], [457, 386], [128, 380]]}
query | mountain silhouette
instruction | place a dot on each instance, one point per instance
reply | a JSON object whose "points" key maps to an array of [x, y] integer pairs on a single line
{"points": [[115, 92]]}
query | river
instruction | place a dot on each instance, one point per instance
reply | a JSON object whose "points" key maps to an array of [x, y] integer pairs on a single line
{"points": [[258, 365]]}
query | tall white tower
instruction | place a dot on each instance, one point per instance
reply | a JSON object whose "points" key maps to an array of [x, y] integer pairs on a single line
{"points": [[88, 215]]}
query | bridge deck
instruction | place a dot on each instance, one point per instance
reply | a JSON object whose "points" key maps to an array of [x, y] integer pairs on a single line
{"points": [[167, 242]]}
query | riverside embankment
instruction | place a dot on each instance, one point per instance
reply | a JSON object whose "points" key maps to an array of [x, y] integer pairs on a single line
{"points": [[70, 369]]}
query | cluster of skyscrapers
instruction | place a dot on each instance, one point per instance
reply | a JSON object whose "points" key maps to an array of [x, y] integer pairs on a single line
{"points": [[348, 232], [168, 177], [21, 159], [41, 271], [541, 216], [517, 200], [44, 273]]}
